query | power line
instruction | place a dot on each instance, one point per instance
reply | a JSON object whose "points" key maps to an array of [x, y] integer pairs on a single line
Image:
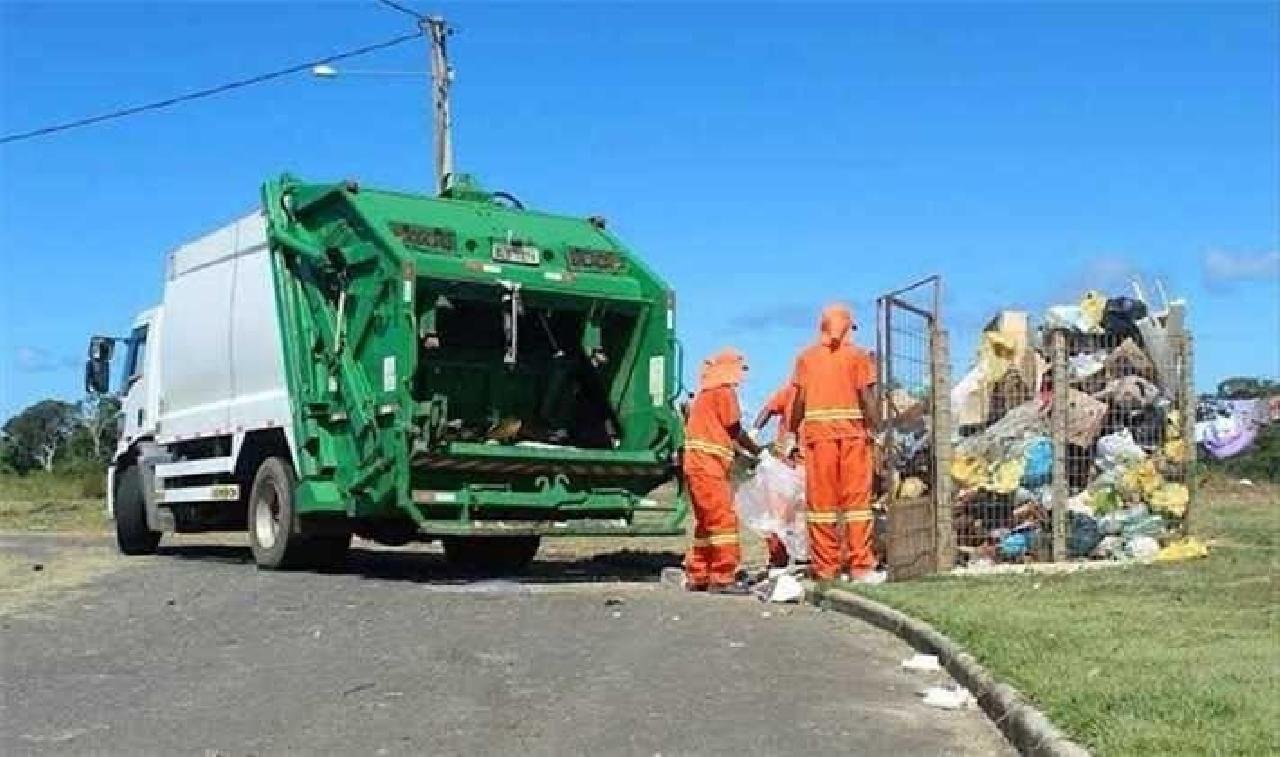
{"points": [[403, 9], [203, 93]]}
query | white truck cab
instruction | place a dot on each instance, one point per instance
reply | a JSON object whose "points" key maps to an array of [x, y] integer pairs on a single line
{"points": [[203, 395]]}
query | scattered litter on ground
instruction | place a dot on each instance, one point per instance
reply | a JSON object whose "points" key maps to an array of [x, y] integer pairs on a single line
{"points": [[737, 644], [1189, 548], [1245, 482], [613, 601], [766, 614], [616, 614], [948, 697], [922, 663], [37, 567]]}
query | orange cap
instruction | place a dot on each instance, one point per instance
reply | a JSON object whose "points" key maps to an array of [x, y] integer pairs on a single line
{"points": [[724, 368], [837, 321]]}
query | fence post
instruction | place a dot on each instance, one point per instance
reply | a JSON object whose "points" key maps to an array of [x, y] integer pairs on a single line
{"points": [[1058, 421], [1192, 466], [940, 379]]}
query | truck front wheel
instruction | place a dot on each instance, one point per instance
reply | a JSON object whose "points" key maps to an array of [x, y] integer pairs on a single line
{"points": [[491, 554], [273, 535], [133, 536]]}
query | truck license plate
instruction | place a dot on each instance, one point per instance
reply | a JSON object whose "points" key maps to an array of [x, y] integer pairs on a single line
{"points": [[516, 253]]}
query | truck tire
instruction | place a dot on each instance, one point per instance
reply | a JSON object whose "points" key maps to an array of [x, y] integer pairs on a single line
{"points": [[491, 554], [133, 536], [273, 535]]}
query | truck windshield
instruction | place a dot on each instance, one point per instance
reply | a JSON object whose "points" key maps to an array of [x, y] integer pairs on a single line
{"points": [[135, 358]]}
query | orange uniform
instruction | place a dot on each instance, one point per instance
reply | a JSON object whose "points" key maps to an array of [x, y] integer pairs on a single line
{"points": [[714, 422], [838, 462]]}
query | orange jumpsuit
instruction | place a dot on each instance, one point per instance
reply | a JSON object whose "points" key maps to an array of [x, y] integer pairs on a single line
{"points": [[714, 423], [780, 404], [838, 459]]}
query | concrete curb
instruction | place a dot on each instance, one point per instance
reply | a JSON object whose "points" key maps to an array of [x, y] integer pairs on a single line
{"points": [[1023, 725]]}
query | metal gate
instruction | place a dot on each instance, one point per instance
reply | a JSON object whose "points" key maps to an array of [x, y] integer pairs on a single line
{"points": [[914, 379]]}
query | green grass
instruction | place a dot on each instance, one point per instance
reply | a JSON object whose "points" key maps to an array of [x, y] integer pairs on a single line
{"points": [[51, 502], [1179, 658]]}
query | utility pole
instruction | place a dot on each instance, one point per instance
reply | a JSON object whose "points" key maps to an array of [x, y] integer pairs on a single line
{"points": [[441, 77]]}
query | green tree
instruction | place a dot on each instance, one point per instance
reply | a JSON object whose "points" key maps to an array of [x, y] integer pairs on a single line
{"points": [[1247, 388], [38, 434]]}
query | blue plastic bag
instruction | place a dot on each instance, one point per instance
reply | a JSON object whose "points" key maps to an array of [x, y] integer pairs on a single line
{"points": [[1037, 469]]}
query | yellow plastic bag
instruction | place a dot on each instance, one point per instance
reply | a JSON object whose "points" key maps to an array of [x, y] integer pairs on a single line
{"points": [[910, 488], [1175, 450], [969, 470], [1092, 306], [1189, 548], [1005, 478], [1170, 498], [1141, 480]]}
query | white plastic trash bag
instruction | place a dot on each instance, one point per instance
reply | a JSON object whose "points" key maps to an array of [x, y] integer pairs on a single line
{"points": [[771, 501]]}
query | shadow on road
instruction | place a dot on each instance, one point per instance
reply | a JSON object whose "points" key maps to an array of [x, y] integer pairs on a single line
{"points": [[420, 566]]}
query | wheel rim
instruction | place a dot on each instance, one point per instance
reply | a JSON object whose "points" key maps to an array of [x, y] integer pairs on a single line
{"points": [[266, 518]]}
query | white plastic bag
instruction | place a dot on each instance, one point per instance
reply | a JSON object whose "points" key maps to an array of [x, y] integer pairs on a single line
{"points": [[771, 501]]}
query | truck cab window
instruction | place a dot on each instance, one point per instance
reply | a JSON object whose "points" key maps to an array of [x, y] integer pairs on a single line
{"points": [[135, 358]]}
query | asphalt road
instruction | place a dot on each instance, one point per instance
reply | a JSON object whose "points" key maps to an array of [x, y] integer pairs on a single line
{"points": [[197, 652]]}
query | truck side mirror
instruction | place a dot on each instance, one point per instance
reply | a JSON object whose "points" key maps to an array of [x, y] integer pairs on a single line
{"points": [[97, 369]]}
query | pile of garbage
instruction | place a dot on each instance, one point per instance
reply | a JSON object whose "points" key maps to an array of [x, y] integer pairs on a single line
{"points": [[1125, 450], [1226, 428]]}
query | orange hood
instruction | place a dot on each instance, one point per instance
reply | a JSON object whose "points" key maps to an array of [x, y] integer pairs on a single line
{"points": [[725, 368], [836, 325]]}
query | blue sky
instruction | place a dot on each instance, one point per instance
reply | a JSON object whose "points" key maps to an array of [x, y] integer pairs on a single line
{"points": [[766, 159]]}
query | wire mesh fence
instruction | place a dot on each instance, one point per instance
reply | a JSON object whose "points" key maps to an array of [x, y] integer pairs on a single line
{"points": [[1073, 439], [909, 343]]}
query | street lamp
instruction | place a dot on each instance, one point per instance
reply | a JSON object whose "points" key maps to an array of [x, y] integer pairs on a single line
{"points": [[325, 71]]}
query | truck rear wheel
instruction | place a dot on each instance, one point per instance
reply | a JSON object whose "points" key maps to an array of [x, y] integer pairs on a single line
{"points": [[491, 554], [133, 535], [273, 535]]}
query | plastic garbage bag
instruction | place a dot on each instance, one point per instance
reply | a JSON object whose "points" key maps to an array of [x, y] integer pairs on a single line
{"points": [[1018, 543], [1109, 548], [1037, 469], [1170, 498], [1085, 364], [969, 470], [1005, 477], [1092, 307], [1105, 499], [922, 663], [771, 499], [1139, 481], [1083, 534], [1189, 548], [1118, 450], [946, 698], [1129, 393], [911, 487], [1142, 548], [1084, 418], [966, 399], [1144, 525], [786, 588], [1069, 317], [1120, 317]]}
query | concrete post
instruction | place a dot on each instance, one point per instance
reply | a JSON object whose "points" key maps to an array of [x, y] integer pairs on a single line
{"points": [[940, 377], [1188, 404], [1058, 426]]}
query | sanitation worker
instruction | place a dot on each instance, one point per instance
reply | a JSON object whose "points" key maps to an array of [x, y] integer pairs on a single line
{"points": [[835, 399], [713, 427], [779, 404]]}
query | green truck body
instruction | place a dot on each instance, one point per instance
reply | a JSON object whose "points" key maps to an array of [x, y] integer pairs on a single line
{"points": [[470, 367]]}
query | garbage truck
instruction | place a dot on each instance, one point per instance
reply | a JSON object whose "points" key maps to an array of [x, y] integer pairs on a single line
{"points": [[353, 361]]}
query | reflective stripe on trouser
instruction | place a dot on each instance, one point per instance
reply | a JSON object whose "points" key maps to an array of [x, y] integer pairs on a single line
{"points": [[838, 487], [714, 554]]}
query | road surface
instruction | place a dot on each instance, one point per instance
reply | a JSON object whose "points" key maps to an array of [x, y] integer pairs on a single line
{"points": [[197, 652]]}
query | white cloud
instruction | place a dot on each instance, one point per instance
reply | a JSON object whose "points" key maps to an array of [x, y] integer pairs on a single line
{"points": [[1221, 267]]}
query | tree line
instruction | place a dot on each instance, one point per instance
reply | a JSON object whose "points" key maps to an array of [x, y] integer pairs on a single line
{"points": [[55, 435]]}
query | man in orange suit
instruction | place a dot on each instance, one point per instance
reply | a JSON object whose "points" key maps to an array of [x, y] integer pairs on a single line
{"points": [[779, 404], [835, 399], [713, 428]]}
